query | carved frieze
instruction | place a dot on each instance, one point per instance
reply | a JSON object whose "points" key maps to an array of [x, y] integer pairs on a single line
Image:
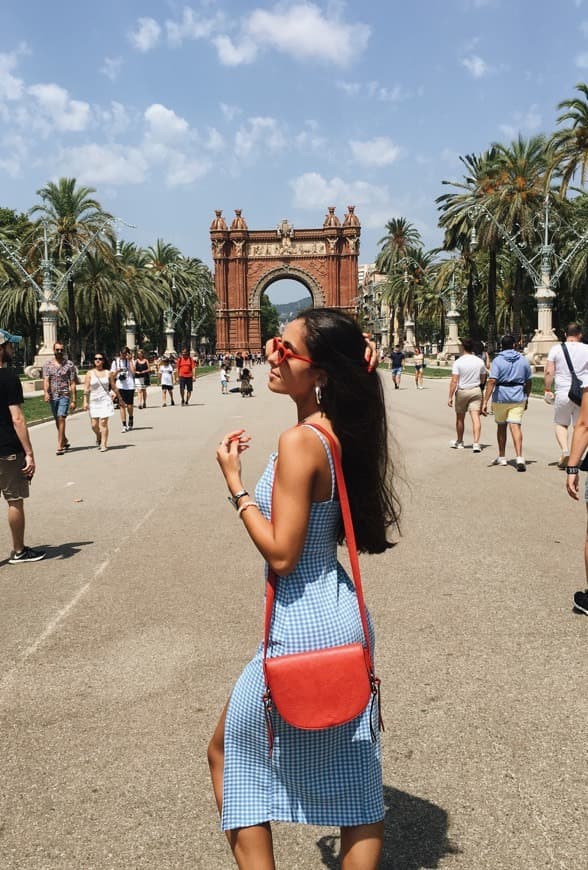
{"points": [[290, 249]]}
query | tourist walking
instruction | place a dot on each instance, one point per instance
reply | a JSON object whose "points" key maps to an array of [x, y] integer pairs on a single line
{"points": [[17, 461], [577, 451], [468, 378], [419, 367], [509, 385], [397, 365], [141, 379], [333, 776], [59, 388], [186, 367], [99, 384], [166, 379], [565, 412], [224, 380], [246, 385], [123, 368]]}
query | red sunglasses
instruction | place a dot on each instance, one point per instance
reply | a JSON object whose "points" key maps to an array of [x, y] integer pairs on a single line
{"points": [[284, 353]]}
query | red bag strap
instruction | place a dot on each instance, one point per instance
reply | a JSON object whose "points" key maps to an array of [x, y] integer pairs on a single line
{"points": [[272, 579]]}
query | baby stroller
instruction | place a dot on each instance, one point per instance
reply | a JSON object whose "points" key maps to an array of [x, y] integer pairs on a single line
{"points": [[246, 387]]}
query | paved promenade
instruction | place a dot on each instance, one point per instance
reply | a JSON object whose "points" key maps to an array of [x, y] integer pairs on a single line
{"points": [[118, 652]]}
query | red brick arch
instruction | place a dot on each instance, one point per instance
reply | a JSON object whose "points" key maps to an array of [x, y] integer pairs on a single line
{"points": [[247, 262]]}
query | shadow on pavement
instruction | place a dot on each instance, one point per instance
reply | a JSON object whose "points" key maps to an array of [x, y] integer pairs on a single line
{"points": [[60, 551], [415, 835]]}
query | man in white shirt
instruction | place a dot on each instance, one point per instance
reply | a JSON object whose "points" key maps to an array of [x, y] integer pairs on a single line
{"points": [[468, 375], [565, 411]]}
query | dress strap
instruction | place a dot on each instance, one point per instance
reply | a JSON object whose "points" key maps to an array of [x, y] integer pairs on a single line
{"points": [[325, 444]]}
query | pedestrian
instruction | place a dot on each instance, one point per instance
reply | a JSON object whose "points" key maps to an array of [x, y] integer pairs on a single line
{"points": [[224, 380], [99, 384], [468, 378], [17, 461], [509, 385], [246, 385], [185, 371], [166, 379], [397, 365], [239, 362], [419, 367], [556, 367], [333, 776], [577, 451], [59, 387], [123, 368], [141, 379]]}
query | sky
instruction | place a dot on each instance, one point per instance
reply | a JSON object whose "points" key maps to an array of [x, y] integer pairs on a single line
{"points": [[172, 110]]}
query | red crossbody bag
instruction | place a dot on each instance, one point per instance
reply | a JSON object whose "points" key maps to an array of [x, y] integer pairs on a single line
{"points": [[325, 687]]}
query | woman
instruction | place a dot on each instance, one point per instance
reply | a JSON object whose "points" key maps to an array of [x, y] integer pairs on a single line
{"points": [[419, 365], [333, 776], [99, 383], [141, 378]]}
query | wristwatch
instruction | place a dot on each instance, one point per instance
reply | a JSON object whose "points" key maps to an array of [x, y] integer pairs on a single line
{"points": [[234, 499], [572, 469]]}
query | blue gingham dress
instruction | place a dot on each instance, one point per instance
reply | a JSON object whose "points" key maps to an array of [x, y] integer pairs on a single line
{"points": [[328, 777]]}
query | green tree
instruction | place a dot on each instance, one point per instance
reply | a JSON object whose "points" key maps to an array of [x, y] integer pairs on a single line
{"points": [[570, 144], [401, 235], [270, 319]]}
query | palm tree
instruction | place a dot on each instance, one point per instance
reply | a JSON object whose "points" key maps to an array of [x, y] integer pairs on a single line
{"points": [[570, 144], [73, 218], [401, 235], [460, 215]]}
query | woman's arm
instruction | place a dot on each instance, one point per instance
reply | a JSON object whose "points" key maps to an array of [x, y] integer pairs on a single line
{"points": [[86, 390], [281, 539]]}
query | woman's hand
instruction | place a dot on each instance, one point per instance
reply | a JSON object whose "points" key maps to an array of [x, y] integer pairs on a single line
{"points": [[371, 355], [228, 456]]}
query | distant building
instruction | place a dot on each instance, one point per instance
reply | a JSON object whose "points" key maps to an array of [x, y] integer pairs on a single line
{"points": [[373, 308]]}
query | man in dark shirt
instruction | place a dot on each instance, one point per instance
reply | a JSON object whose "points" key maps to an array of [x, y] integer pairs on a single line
{"points": [[17, 462], [397, 365]]}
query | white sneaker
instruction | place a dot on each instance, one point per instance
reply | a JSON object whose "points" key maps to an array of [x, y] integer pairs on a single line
{"points": [[124, 429], [521, 464], [457, 445], [500, 460], [476, 448]]}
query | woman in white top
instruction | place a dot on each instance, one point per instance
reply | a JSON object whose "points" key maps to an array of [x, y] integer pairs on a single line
{"points": [[99, 383], [166, 376], [419, 365]]}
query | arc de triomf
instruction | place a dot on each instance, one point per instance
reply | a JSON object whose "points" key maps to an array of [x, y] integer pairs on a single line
{"points": [[247, 262]]}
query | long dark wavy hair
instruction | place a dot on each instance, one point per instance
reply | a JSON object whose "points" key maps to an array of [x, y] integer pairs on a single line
{"points": [[353, 400]]}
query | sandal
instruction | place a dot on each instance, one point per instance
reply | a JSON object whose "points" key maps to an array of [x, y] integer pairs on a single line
{"points": [[60, 452]]}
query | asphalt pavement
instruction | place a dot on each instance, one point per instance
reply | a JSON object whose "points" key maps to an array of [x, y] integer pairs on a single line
{"points": [[118, 652]]}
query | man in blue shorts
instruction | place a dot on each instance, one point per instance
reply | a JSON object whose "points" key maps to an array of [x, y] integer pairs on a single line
{"points": [[509, 385], [397, 365], [59, 387]]}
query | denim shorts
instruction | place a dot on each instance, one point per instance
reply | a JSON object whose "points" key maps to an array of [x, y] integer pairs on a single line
{"points": [[60, 406], [397, 371]]}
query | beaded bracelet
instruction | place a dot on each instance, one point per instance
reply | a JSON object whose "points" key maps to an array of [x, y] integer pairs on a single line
{"points": [[245, 506]]}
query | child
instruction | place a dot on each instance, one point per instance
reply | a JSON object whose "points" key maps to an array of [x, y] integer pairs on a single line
{"points": [[246, 387], [224, 381], [166, 375]]}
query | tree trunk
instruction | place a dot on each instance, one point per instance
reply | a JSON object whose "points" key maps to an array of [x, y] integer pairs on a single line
{"points": [[400, 339], [491, 296], [517, 304]]}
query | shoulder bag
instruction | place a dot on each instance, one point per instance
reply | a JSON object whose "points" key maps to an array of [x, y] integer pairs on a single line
{"points": [[325, 687], [576, 390]]}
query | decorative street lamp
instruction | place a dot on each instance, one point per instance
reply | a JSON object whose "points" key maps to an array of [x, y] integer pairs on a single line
{"points": [[452, 344], [48, 294], [543, 279], [409, 323]]}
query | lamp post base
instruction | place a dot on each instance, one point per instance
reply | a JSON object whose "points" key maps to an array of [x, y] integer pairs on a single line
{"points": [[539, 346]]}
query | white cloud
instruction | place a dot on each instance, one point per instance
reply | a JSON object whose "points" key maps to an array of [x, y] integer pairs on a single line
{"points": [[380, 151], [11, 87], [312, 191], [184, 170], [215, 141], [476, 66], [146, 34], [230, 112], [374, 90], [55, 104], [352, 89], [231, 54], [523, 122], [191, 26], [163, 124], [582, 60], [104, 164], [14, 154], [114, 120], [302, 31], [258, 134], [111, 67]]}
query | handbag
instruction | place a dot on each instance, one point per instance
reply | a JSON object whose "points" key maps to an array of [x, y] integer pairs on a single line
{"points": [[576, 390], [322, 688]]}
